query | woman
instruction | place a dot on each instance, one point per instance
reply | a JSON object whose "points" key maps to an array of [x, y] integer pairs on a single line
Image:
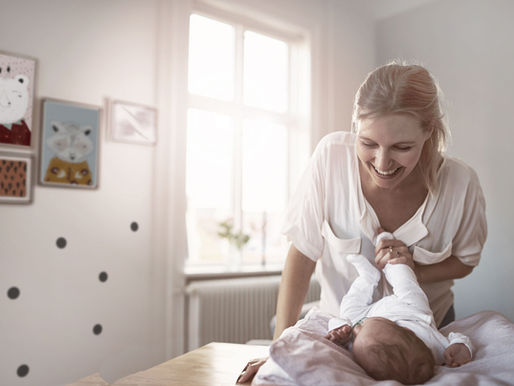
{"points": [[388, 174]]}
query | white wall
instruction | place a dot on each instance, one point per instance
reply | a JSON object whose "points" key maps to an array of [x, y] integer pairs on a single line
{"points": [[467, 44], [132, 50], [86, 51]]}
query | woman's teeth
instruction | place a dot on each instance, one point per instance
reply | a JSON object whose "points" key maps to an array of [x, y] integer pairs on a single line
{"points": [[386, 173]]}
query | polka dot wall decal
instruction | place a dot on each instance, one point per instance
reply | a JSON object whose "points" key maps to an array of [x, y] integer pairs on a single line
{"points": [[97, 329], [134, 226], [22, 371], [103, 276], [61, 242], [13, 292]]}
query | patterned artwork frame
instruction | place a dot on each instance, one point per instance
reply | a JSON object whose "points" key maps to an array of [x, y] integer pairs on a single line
{"points": [[15, 179], [70, 141], [17, 90], [132, 123]]}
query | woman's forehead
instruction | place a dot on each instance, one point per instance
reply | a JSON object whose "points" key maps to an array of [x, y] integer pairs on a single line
{"points": [[389, 121], [390, 128]]}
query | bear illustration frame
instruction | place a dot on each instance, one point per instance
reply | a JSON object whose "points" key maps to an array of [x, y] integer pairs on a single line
{"points": [[132, 122], [70, 140], [18, 87], [15, 179]]}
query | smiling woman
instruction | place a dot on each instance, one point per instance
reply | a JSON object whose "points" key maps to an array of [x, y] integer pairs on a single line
{"points": [[389, 174], [389, 147]]}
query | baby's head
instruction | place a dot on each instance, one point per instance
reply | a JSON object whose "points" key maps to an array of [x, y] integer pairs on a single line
{"points": [[388, 351]]}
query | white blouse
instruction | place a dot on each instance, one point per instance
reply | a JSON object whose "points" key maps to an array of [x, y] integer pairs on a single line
{"points": [[328, 218]]}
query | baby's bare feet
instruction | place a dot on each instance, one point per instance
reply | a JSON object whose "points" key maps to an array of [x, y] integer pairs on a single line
{"points": [[340, 335]]}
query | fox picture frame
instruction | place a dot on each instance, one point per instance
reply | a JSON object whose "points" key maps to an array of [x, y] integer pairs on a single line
{"points": [[70, 140]]}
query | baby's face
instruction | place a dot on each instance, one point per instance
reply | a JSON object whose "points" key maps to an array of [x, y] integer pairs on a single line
{"points": [[388, 351]]}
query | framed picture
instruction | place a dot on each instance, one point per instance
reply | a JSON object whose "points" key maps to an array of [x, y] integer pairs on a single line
{"points": [[17, 83], [15, 179], [69, 144], [133, 123]]}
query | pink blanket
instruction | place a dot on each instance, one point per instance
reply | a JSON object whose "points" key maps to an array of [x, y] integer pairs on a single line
{"points": [[301, 356]]}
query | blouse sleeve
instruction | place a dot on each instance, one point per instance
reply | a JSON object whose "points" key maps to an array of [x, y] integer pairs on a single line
{"points": [[472, 231], [304, 216]]}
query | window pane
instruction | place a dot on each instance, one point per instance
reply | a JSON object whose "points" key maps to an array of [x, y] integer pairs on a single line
{"points": [[264, 188], [211, 58], [209, 159], [264, 166], [209, 176], [265, 72]]}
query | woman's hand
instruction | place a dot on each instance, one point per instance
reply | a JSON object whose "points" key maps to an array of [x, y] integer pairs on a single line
{"points": [[393, 252], [250, 370]]}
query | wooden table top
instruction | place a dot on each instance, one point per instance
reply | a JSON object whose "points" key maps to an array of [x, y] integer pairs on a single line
{"points": [[215, 364]]}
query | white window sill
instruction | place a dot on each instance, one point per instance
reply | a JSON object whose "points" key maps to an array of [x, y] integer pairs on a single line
{"points": [[202, 272]]}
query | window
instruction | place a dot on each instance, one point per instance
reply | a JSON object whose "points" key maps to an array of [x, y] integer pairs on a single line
{"points": [[246, 86]]}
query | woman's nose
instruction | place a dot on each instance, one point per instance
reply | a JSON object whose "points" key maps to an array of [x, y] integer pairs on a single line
{"points": [[382, 159]]}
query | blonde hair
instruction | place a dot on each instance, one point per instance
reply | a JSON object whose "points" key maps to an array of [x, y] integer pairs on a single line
{"points": [[399, 88]]}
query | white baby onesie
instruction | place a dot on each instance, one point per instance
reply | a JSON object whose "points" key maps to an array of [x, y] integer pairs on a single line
{"points": [[408, 306]]}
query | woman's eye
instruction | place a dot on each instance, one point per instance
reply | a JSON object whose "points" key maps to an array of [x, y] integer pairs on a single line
{"points": [[403, 148], [368, 144]]}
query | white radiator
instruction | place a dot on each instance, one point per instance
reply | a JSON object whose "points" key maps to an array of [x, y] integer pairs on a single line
{"points": [[233, 310]]}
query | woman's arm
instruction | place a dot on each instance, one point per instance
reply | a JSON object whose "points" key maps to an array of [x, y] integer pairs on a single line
{"points": [[294, 285], [450, 268], [396, 252]]}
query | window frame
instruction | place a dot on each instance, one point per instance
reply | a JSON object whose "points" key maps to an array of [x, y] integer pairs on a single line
{"points": [[296, 118]]}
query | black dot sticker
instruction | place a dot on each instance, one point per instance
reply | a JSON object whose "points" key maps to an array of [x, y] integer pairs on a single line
{"points": [[61, 242], [134, 226], [22, 371], [13, 292], [97, 329], [103, 277]]}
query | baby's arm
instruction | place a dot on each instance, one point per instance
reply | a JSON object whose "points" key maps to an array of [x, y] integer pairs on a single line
{"points": [[459, 351], [339, 331], [340, 335]]}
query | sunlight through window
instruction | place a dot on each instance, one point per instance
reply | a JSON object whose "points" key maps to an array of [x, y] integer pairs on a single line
{"points": [[211, 58], [239, 130], [265, 72]]}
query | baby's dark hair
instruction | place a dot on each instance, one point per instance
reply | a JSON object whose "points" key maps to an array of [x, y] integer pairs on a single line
{"points": [[388, 362]]}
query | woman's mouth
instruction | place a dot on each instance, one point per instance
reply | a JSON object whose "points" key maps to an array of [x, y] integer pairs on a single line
{"points": [[387, 173]]}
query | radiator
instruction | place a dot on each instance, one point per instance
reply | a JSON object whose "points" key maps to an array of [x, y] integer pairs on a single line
{"points": [[233, 310]]}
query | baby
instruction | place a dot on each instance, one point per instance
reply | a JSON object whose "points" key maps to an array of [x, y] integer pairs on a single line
{"points": [[395, 337]]}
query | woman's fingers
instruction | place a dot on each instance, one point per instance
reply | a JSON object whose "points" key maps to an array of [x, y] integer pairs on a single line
{"points": [[386, 243], [392, 251], [250, 370]]}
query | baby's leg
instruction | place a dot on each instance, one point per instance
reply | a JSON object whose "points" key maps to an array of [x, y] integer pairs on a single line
{"points": [[360, 294], [405, 285]]}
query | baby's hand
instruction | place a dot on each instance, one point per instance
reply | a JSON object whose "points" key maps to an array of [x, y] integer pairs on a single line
{"points": [[340, 335], [457, 354]]}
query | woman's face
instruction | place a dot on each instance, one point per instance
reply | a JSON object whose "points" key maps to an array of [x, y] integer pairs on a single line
{"points": [[389, 148]]}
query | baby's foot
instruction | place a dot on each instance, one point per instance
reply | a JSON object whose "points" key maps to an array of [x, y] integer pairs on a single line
{"points": [[340, 335], [364, 267]]}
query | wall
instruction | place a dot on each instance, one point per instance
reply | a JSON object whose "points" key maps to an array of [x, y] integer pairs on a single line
{"points": [[467, 46], [132, 50], [86, 51]]}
